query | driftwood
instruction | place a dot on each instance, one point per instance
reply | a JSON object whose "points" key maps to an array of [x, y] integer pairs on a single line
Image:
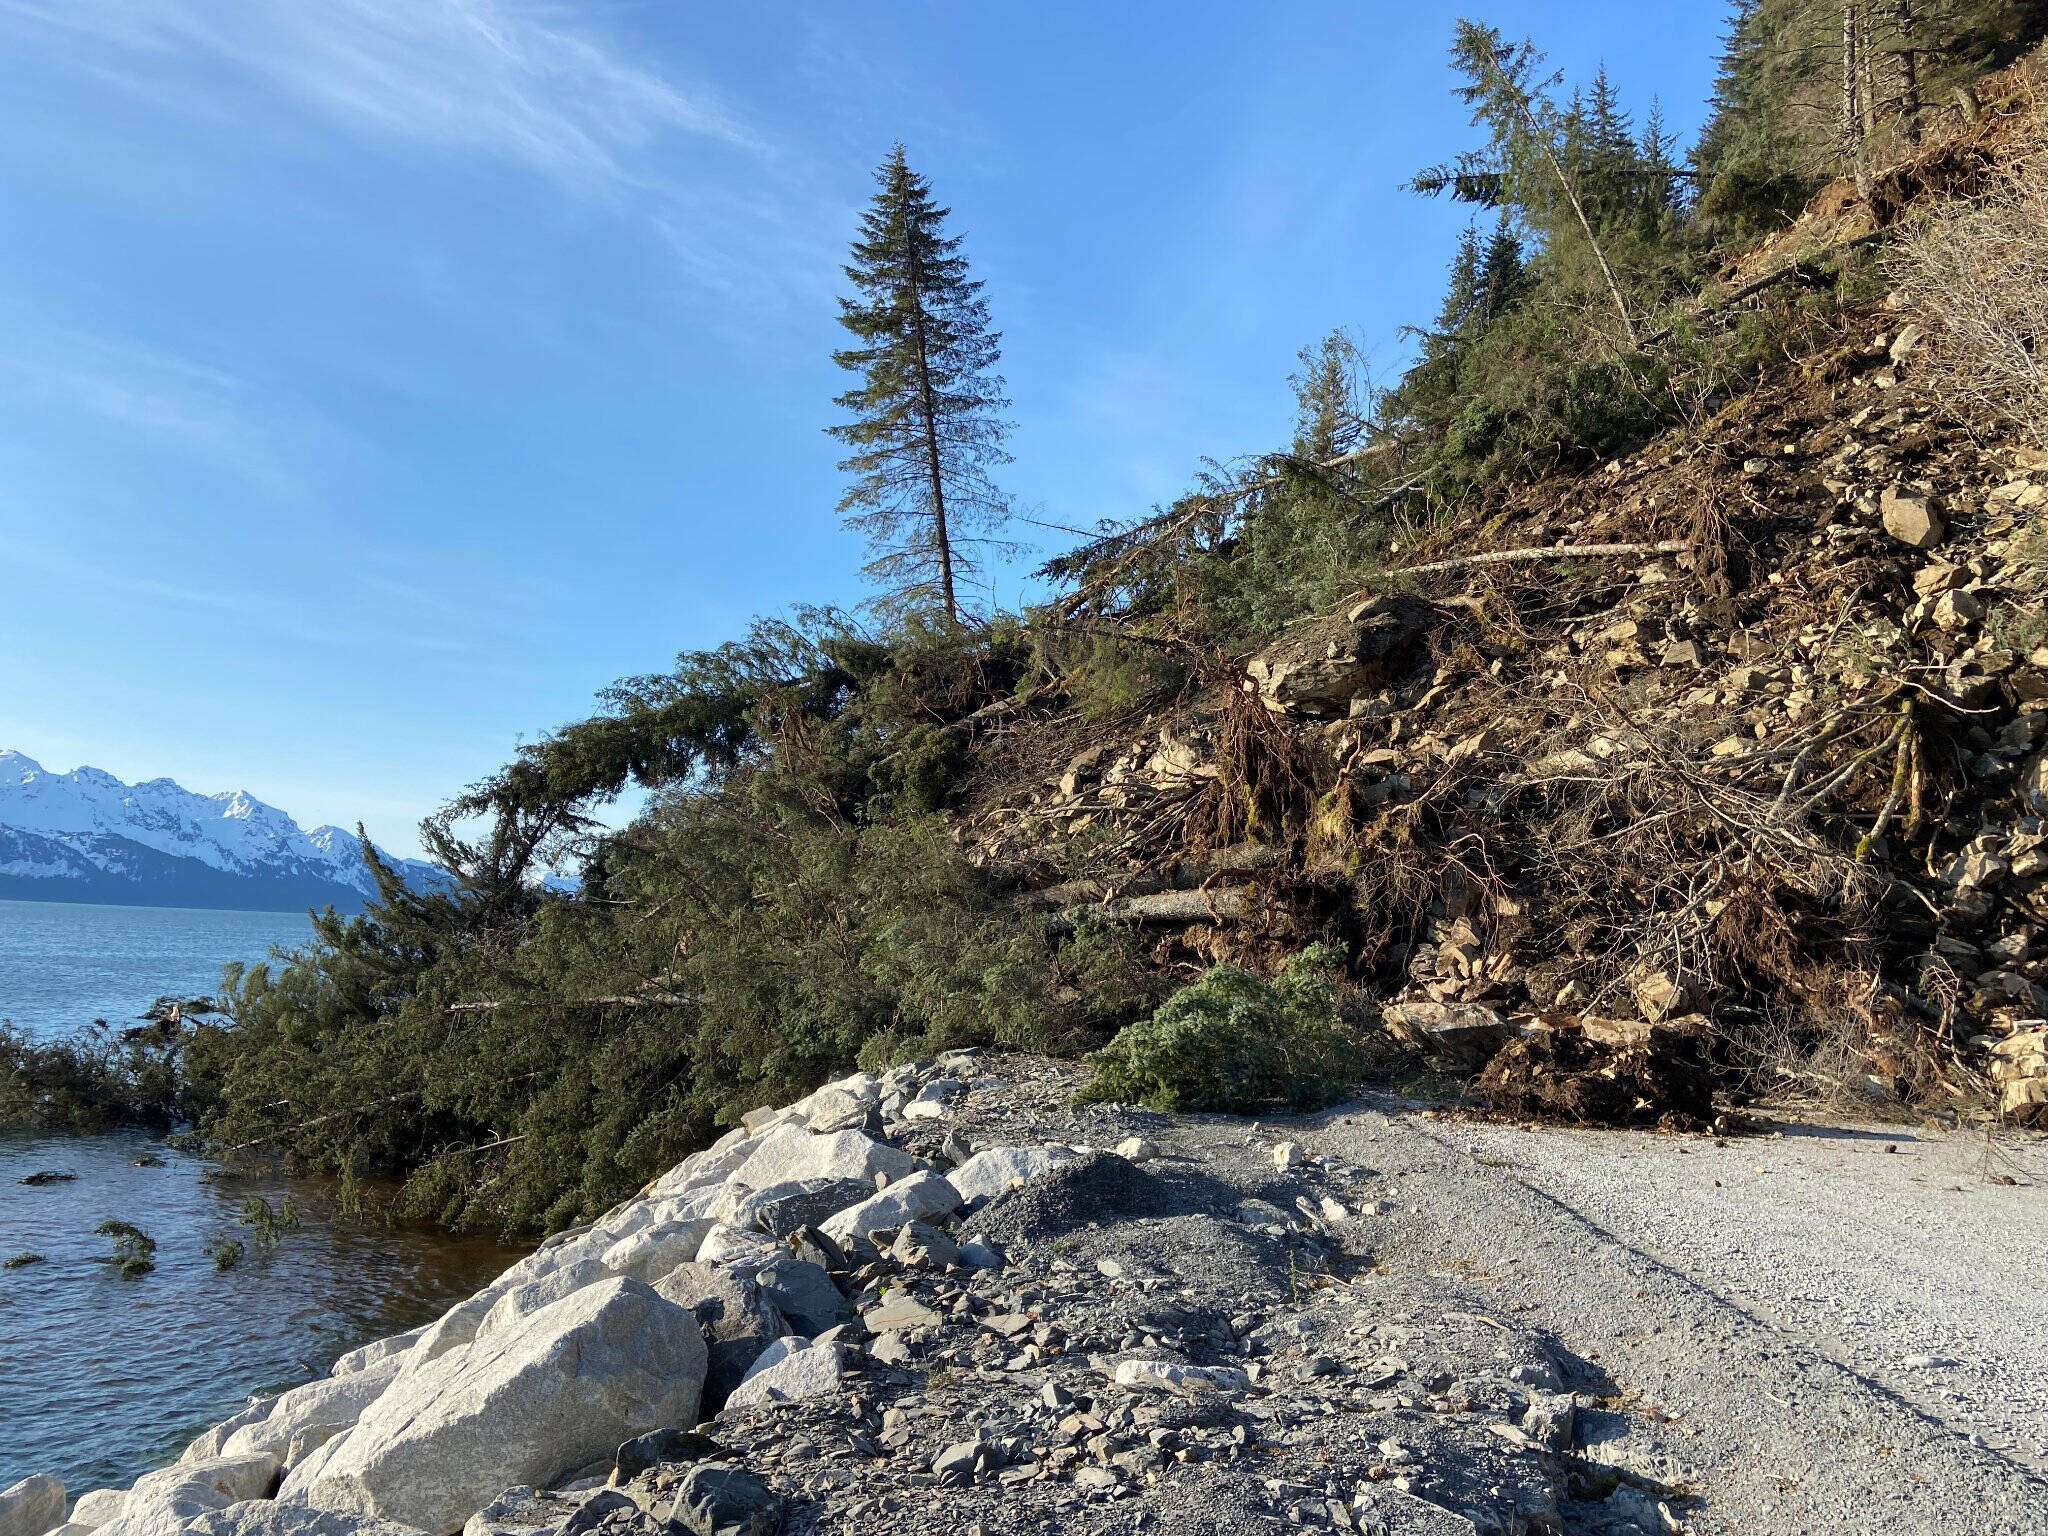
{"points": [[1169, 909], [1188, 879], [1546, 552]]}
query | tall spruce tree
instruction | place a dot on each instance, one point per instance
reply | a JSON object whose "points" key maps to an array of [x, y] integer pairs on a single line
{"points": [[928, 424]]}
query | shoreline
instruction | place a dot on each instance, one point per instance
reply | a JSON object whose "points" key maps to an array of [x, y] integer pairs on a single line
{"points": [[953, 1283]]}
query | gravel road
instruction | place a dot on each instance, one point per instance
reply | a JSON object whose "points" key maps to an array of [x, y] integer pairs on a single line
{"points": [[1838, 1327]]}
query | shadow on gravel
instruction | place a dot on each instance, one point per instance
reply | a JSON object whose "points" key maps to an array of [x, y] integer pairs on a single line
{"points": [[1173, 1222]]}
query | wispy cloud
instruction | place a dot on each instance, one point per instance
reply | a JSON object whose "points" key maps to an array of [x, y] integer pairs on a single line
{"points": [[147, 395], [500, 77]]}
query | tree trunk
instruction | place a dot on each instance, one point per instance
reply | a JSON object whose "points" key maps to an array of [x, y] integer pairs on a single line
{"points": [[1628, 324], [1909, 70], [1852, 96], [928, 411]]}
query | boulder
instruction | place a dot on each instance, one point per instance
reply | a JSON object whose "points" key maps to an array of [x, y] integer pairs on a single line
{"points": [[727, 1244], [532, 1403], [164, 1509], [609, 1512], [98, 1507], [989, 1173], [791, 1370], [790, 1152], [924, 1247], [1462, 1035], [716, 1498], [1320, 667], [782, 1208], [662, 1447], [208, 1444], [934, 1099], [32, 1506], [1912, 517], [900, 1314], [267, 1517], [738, 1319], [381, 1349], [305, 1473], [458, 1325], [803, 1293], [920, 1197], [234, 1478], [525, 1511], [851, 1104], [709, 1167], [333, 1404], [653, 1252], [1173, 1376], [527, 1299]]}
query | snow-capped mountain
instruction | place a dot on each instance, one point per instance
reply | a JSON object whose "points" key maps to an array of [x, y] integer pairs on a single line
{"points": [[86, 836]]}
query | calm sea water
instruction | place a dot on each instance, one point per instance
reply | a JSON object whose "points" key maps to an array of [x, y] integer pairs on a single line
{"points": [[101, 1377], [62, 965]]}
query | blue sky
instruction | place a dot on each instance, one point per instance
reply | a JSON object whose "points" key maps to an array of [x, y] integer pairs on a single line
{"points": [[380, 378]]}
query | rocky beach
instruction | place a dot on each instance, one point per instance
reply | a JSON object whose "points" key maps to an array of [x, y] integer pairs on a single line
{"points": [[947, 1300]]}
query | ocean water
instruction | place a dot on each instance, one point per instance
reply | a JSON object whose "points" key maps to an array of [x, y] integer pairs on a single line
{"points": [[101, 1377], [63, 964]]}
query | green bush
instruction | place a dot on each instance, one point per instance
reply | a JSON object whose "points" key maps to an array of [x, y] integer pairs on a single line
{"points": [[88, 1082], [1235, 1042]]}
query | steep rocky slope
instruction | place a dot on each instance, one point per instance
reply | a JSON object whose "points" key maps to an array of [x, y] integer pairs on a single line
{"points": [[1736, 743]]}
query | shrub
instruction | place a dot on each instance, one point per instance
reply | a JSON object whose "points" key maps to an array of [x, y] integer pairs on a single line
{"points": [[1233, 1041], [1976, 275], [88, 1082], [134, 1249]]}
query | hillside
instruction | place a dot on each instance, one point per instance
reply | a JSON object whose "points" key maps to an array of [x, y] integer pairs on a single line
{"points": [[87, 836], [1633, 714]]}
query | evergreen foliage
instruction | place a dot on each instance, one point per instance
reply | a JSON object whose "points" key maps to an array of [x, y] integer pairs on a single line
{"points": [[1234, 1041], [89, 1082], [1808, 90], [791, 900], [928, 425], [786, 907]]}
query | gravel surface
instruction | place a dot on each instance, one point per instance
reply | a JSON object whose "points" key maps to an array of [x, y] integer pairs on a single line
{"points": [[1380, 1319], [1837, 1337]]}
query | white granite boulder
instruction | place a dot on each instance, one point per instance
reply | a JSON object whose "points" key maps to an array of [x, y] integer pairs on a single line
{"points": [[790, 1152], [381, 1349], [921, 1197], [653, 1251], [563, 1388], [987, 1174], [525, 1300], [98, 1507], [32, 1506], [268, 1517], [333, 1404], [248, 1475], [789, 1371]]}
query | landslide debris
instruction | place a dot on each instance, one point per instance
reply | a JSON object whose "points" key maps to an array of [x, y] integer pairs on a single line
{"points": [[1744, 733]]}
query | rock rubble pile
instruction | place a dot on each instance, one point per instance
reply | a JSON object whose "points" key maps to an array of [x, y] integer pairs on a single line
{"points": [[853, 1314], [1727, 759]]}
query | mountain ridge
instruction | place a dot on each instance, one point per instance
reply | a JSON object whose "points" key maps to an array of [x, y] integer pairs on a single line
{"points": [[88, 836]]}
